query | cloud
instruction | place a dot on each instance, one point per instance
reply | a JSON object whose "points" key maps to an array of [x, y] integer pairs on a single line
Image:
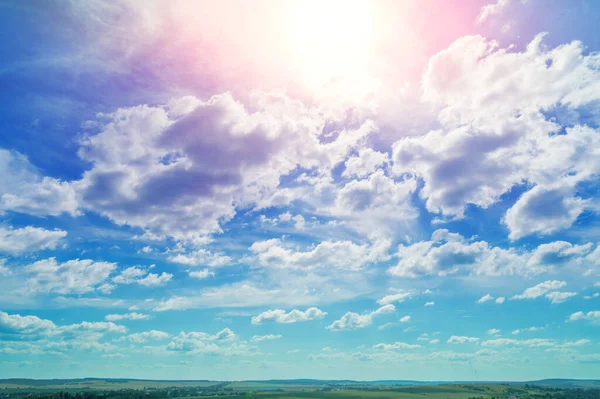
{"points": [[153, 279], [489, 10], [448, 253], [28, 239], [398, 297], [366, 163], [560, 297], [268, 337], [294, 316], [493, 331], [462, 340], [405, 319], [201, 274], [518, 331], [593, 316], [71, 277], [429, 303], [137, 275], [559, 253], [327, 254], [152, 335], [485, 298], [202, 257], [127, 316], [493, 136], [544, 210], [223, 342], [353, 321], [16, 323], [24, 190], [395, 345], [183, 169], [500, 300], [540, 290], [535, 342]]}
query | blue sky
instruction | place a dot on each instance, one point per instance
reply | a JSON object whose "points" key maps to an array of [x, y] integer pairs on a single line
{"points": [[286, 189]]}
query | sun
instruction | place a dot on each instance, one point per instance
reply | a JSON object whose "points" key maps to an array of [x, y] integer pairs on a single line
{"points": [[331, 41]]}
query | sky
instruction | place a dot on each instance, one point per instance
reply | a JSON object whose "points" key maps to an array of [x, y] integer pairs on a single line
{"points": [[300, 189]]}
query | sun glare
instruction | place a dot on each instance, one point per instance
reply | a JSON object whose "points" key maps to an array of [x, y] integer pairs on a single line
{"points": [[331, 40]]}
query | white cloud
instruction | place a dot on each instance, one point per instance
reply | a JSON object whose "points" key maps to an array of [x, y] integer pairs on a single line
{"points": [[294, 316], [493, 331], [518, 331], [560, 297], [593, 316], [24, 190], [233, 154], [494, 137], [434, 341], [489, 10], [365, 163], [462, 340], [127, 316], [399, 297], [405, 319], [500, 300], [353, 321], [531, 213], [448, 253], [327, 254], [153, 279], [28, 239], [25, 324], [153, 335], [223, 342], [71, 277], [138, 275], [395, 345], [540, 290], [201, 274], [202, 257], [535, 342], [485, 298], [429, 303], [268, 337], [98, 326]]}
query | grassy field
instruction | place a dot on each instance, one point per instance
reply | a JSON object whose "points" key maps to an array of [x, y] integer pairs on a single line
{"points": [[453, 391], [97, 384]]}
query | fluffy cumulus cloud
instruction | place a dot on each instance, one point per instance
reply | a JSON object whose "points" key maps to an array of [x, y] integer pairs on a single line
{"points": [[353, 321], [182, 169], [365, 163], [141, 276], [223, 342], [293, 316], [494, 136], [28, 239], [485, 298], [593, 316], [450, 253], [71, 277], [23, 189], [327, 254], [395, 345], [540, 289], [201, 257]]}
